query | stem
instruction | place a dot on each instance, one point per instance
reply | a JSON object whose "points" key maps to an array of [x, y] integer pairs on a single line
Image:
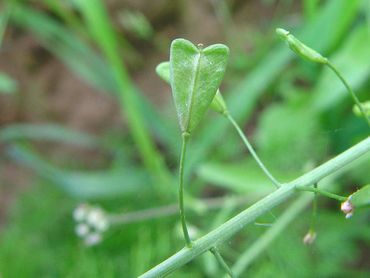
{"points": [[353, 95], [221, 261], [251, 150], [314, 211], [238, 222], [185, 137], [169, 210], [322, 192], [265, 240]]}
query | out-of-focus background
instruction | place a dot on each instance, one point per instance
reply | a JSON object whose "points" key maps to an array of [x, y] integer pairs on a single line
{"points": [[89, 142]]}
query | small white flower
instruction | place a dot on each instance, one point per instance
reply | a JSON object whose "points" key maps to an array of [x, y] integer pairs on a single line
{"points": [[94, 216], [80, 213], [82, 230], [92, 239], [102, 224]]}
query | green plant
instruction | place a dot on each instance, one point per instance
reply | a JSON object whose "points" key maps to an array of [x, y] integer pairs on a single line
{"points": [[266, 90], [185, 72]]}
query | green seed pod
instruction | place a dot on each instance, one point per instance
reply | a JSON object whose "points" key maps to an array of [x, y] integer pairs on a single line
{"points": [[195, 74], [300, 48], [163, 71], [218, 104], [365, 105]]}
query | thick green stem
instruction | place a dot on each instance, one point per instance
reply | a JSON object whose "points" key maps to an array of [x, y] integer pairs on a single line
{"points": [[247, 257], [185, 137], [221, 261], [322, 192], [350, 91], [238, 222], [252, 151]]}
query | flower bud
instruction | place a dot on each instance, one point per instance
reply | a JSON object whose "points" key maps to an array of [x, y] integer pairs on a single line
{"points": [[80, 213], [82, 230], [347, 208], [92, 239], [309, 238], [300, 48]]}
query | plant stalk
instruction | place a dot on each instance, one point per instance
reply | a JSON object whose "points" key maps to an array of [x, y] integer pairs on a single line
{"points": [[238, 222], [247, 257], [252, 151], [350, 91], [221, 261], [185, 137], [322, 192]]}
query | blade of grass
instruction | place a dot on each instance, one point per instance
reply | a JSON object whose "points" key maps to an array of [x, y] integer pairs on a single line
{"points": [[4, 18], [101, 30], [105, 184], [86, 63], [59, 8], [48, 132]]}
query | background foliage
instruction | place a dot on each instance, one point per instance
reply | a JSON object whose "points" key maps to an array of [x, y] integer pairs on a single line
{"points": [[84, 119]]}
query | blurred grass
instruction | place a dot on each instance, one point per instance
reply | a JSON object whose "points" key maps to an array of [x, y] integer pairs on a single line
{"points": [[285, 103]]}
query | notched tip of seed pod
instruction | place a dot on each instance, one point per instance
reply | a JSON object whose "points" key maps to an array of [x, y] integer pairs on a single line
{"points": [[282, 33], [184, 44], [309, 238], [347, 208]]}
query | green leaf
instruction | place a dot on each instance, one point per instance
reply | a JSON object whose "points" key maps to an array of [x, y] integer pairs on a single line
{"points": [[47, 132], [241, 177], [361, 197], [280, 129], [196, 74], [102, 184], [218, 104]]}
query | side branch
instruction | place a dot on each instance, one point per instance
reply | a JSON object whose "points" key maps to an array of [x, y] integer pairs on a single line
{"points": [[238, 222]]}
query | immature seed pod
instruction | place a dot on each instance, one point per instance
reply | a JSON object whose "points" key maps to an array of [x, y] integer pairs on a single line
{"points": [[195, 75], [365, 105], [300, 48], [218, 104]]}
